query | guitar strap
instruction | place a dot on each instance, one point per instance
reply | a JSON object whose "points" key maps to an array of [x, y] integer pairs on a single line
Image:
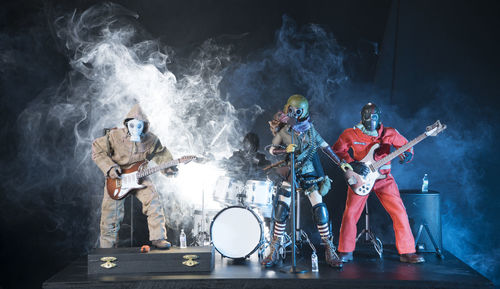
{"points": [[108, 144], [152, 154]]}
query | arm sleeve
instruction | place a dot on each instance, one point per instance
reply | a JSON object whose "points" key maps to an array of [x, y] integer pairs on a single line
{"points": [[101, 154], [319, 140], [277, 139], [341, 148], [398, 141], [162, 154]]}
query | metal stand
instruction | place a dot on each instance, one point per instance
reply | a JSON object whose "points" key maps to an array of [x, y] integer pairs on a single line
{"points": [[131, 221], [294, 269], [369, 236], [436, 247], [202, 236]]}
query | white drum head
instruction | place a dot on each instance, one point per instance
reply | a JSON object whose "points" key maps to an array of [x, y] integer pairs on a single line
{"points": [[236, 232]]}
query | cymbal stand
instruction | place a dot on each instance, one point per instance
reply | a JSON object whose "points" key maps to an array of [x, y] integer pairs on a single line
{"points": [[369, 236]]}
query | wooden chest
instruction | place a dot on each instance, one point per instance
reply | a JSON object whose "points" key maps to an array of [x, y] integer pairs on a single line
{"points": [[130, 260]]}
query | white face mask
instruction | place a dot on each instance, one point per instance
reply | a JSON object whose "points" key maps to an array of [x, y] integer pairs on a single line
{"points": [[135, 128]]}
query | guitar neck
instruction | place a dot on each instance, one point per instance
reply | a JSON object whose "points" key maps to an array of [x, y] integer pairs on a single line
{"points": [[149, 171], [399, 151]]}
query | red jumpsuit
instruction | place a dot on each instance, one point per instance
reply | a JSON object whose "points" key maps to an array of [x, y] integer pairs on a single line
{"points": [[386, 189]]}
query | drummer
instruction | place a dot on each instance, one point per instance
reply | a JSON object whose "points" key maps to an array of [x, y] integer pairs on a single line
{"points": [[247, 163]]}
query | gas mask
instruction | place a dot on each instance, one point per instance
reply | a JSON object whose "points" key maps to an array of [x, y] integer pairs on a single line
{"points": [[370, 117], [135, 128], [297, 107]]}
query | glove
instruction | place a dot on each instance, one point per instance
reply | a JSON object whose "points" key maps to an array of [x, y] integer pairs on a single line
{"points": [[359, 168], [171, 172], [405, 157], [291, 148], [115, 172]]}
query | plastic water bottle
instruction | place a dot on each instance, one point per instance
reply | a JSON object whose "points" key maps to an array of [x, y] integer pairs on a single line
{"points": [[425, 184], [182, 240], [314, 262]]}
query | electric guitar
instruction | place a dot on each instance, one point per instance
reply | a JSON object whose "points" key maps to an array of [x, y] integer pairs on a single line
{"points": [[130, 179], [362, 185]]}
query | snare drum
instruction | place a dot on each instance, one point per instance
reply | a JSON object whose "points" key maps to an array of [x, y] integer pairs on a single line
{"points": [[228, 190], [236, 232], [259, 193]]}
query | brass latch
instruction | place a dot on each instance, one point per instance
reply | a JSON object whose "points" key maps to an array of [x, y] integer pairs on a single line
{"points": [[190, 260], [108, 262]]}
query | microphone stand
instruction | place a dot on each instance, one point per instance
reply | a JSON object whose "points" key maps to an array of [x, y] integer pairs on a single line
{"points": [[293, 269]]}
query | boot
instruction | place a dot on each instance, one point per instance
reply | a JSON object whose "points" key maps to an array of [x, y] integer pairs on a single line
{"points": [[161, 244], [345, 256], [411, 258], [274, 256], [331, 256]]}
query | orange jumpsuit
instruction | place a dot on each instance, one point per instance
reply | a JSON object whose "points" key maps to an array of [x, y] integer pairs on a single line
{"points": [[386, 189]]}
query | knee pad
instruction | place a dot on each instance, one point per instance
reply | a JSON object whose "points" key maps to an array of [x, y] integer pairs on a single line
{"points": [[281, 212], [285, 193], [320, 213]]}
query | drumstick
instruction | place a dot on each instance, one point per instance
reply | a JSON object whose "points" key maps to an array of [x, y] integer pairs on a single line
{"points": [[274, 165]]}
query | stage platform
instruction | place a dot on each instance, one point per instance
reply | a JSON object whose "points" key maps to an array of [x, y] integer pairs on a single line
{"points": [[366, 271]]}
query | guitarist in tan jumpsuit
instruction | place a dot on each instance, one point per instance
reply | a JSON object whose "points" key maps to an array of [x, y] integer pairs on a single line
{"points": [[120, 149]]}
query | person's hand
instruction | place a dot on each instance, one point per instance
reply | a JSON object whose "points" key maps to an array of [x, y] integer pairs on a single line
{"points": [[405, 157], [359, 168], [115, 172], [291, 148], [171, 172]]}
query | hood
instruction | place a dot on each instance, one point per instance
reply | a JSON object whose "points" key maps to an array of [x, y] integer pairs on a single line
{"points": [[137, 113]]}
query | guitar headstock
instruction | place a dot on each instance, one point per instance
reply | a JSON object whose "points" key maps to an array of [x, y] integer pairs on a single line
{"points": [[434, 129], [187, 159]]}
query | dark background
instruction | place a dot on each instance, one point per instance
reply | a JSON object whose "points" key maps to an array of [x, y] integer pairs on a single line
{"points": [[436, 59]]}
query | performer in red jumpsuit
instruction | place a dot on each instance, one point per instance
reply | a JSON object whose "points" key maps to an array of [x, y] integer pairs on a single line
{"points": [[360, 139]]}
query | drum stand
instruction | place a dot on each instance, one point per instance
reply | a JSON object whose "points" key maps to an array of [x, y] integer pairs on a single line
{"points": [[369, 236], [202, 237]]}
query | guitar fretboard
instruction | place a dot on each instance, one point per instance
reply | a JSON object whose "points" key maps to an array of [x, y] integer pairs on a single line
{"points": [[149, 171], [399, 151]]}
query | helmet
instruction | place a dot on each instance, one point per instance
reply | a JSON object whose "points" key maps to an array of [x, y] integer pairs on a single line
{"points": [[297, 107], [370, 116]]}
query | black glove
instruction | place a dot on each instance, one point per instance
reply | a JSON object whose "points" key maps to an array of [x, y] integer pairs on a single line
{"points": [[359, 168], [115, 172], [405, 157]]}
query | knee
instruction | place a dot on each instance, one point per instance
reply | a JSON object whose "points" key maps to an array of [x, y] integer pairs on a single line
{"points": [[320, 213], [349, 215], [281, 212]]}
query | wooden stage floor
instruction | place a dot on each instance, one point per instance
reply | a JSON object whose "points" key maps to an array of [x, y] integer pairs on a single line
{"points": [[366, 271]]}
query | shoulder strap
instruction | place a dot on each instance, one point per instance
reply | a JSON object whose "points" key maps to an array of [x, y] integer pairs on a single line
{"points": [[108, 144], [152, 154]]}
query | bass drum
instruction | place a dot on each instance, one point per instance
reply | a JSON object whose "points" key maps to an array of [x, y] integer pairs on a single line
{"points": [[236, 232]]}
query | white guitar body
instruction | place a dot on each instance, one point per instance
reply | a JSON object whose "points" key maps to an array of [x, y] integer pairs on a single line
{"points": [[362, 185], [128, 182]]}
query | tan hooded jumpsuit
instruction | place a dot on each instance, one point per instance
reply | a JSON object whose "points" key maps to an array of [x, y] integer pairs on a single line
{"points": [[116, 149]]}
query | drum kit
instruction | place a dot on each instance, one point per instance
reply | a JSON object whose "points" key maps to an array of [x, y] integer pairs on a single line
{"points": [[238, 230]]}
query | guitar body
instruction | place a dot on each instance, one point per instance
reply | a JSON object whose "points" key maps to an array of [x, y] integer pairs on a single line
{"points": [[362, 185], [119, 188]]}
